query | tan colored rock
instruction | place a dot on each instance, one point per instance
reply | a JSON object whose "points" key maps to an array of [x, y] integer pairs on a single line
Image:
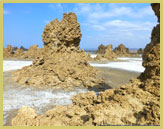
{"points": [[19, 53], [25, 116], [8, 52], [140, 51], [63, 70], [63, 66], [101, 49], [23, 48], [120, 106], [121, 51], [137, 103], [67, 32], [107, 53], [32, 52]]}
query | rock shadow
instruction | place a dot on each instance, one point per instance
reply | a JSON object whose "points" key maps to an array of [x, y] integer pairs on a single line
{"points": [[100, 88]]}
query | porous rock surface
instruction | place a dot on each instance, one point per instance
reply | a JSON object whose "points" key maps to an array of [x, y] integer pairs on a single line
{"points": [[121, 51], [137, 103], [65, 33], [107, 53], [61, 64]]}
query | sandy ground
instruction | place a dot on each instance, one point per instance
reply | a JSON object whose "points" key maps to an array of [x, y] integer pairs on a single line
{"points": [[116, 77]]}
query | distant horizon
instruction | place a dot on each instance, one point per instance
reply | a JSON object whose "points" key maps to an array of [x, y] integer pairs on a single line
{"points": [[104, 23], [86, 49]]}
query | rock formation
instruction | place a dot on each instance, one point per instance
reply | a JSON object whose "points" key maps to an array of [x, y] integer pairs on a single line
{"points": [[107, 53], [8, 52], [23, 48], [140, 51], [101, 49], [65, 33], [61, 64], [33, 52], [19, 53], [121, 51], [137, 103], [15, 48]]}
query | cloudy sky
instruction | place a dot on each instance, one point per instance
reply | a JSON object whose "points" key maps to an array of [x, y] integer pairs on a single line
{"points": [[105, 23]]}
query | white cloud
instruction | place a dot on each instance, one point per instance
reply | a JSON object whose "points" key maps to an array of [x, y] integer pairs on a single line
{"points": [[100, 17], [103, 11], [121, 25]]}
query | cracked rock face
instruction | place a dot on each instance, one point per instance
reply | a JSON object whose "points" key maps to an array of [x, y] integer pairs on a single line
{"points": [[137, 103]]}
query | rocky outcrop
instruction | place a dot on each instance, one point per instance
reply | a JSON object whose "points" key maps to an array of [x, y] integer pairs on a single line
{"points": [[15, 48], [61, 64], [121, 51], [66, 69], [140, 51], [8, 52], [101, 49], [19, 53], [33, 52], [65, 33], [137, 103], [151, 59], [122, 106], [106, 54], [25, 49]]}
